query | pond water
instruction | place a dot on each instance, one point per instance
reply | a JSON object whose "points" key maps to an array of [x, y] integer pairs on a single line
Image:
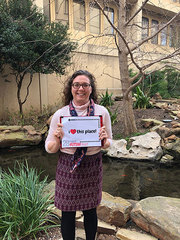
{"points": [[127, 179]]}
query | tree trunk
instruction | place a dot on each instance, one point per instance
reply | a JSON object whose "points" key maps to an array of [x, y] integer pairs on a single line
{"points": [[129, 119], [19, 85]]}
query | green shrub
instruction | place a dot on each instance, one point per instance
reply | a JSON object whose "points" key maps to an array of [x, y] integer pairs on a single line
{"points": [[106, 99], [156, 83], [24, 209], [142, 101], [173, 80], [165, 82], [113, 116]]}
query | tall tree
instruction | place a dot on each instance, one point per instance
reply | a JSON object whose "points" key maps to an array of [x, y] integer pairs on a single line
{"points": [[30, 44], [132, 50]]}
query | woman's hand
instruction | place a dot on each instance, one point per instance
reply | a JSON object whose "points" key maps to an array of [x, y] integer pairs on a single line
{"points": [[53, 146], [104, 137], [59, 133]]}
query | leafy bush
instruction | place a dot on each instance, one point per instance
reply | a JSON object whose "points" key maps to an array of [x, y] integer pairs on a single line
{"points": [[31, 117], [106, 99], [113, 116], [165, 82], [24, 208], [156, 83], [173, 80], [142, 101]]}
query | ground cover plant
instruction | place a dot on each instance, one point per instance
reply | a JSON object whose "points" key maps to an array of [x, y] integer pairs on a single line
{"points": [[24, 210], [107, 101]]}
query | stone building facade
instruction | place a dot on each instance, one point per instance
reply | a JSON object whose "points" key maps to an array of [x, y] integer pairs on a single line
{"points": [[97, 51]]}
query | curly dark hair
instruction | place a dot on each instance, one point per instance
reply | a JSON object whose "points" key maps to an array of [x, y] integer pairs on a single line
{"points": [[67, 90]]}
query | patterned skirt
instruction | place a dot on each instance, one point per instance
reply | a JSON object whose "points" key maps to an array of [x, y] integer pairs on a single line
{"points": [[82, 189]]}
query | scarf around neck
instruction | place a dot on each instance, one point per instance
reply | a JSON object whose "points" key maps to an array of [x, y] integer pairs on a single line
{"points": [[80, 151]]}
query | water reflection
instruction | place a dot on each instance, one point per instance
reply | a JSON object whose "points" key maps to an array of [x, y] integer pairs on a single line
{"points": [[35, 156], [130, 180], [138, 180]]}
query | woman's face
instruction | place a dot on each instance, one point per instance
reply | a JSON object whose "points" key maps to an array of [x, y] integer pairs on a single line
{"points": [[81, 94]]}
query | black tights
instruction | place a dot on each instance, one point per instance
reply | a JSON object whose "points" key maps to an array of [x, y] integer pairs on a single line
{"points": [[68, 224]]}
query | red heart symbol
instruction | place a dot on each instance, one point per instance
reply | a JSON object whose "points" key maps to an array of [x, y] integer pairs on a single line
{"points": [[73, 131]]}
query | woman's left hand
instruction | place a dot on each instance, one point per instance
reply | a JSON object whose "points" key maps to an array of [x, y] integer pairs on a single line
{"points": [[103, 136], [102, 133]]}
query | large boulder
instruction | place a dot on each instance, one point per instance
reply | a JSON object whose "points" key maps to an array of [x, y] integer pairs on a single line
{"points": [[165, 132], [114, 210], [19, 136], [126, 234], [144, 147], [173, 149], [147, 123], [158, 215]]}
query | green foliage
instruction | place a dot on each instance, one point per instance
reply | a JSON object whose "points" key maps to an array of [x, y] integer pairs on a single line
{"points": [[131, 73], [30, 44], [117, 136], [165, 82], [142, 101], [173, 79], [24, 208], [113, 116], [106, 99], [31, 117], [156, 83]]}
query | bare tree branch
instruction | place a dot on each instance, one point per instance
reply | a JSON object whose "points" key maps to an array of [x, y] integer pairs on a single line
{"points": [[131, 18], [171, 55], [135, 77], [115, 40], [27, 89], [156, 33], [133, 86], [163, 67], [110, 75], [121, 35]]}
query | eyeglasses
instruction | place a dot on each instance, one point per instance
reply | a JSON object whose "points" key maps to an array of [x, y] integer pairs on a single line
{"points": [[83, 85]]}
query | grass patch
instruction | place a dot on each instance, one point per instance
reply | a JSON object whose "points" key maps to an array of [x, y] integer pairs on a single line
{"points": [[24, 209]]}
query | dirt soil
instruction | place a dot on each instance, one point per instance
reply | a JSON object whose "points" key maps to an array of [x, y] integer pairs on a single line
{"points": [[151, 113]]}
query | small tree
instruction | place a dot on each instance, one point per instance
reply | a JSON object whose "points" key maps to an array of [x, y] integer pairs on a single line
{"points": [[132, 51], [30, 44]]}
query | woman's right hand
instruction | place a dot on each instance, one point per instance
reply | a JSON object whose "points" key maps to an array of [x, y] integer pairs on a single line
{"points": [[59, 133]]}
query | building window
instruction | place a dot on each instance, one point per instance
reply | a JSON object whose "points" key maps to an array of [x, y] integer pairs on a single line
{"points": [[172, 36], [95, 18], [145, 27], [79, 15], [108, 29], [164, 36], [154, 28], [62, 10], [46, 9]]}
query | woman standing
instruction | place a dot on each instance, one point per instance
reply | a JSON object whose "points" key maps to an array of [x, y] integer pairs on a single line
{"points": [[79, 170]]}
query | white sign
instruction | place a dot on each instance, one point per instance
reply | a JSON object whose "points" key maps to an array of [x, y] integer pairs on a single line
{"points": [[81, 131]]}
